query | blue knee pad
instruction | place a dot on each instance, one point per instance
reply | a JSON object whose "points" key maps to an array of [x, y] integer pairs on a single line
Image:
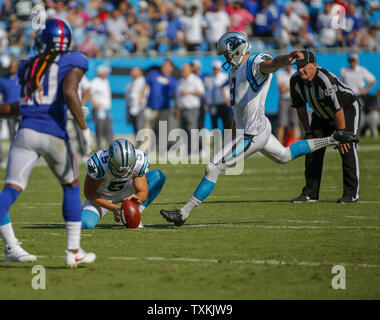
{"points": [[72, 206], [156, 180], [89, 219], [6, 220]]}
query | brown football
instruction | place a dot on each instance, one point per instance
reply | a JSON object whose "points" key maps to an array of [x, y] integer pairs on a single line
{"points": [[130, 214]]}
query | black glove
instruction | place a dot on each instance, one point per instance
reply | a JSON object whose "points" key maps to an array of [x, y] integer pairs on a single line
{"points": [[343, 136]]}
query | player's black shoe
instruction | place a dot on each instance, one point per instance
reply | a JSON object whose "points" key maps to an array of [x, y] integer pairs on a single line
{"points": [[303, 198], [173, 216], [347, 199]]}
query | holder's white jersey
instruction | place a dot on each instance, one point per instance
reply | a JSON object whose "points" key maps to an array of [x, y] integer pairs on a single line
{"points": [[98, 169], [248, 92]]}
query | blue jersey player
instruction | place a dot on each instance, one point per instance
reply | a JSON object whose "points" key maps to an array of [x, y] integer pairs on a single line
{"points": [[49, 86]]}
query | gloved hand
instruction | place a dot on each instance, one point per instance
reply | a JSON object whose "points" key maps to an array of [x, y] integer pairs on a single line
{"points": [[87, 141], [343, 136]]}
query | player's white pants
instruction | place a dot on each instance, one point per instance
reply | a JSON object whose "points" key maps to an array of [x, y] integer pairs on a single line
{"points": [[28, 146], [244, 146], [128, 190]]}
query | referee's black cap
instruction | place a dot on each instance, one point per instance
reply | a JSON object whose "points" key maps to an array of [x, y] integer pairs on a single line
{"points": [[308, 57]]}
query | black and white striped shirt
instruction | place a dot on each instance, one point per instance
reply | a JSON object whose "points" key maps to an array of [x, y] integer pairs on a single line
{"points": [[325, 94]]}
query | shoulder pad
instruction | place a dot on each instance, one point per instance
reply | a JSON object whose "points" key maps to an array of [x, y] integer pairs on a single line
{"points": [[97, 164], [142, 163], [76, 59]]}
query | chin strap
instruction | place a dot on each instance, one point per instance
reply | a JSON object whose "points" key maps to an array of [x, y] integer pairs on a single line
{"points": [[226, 66]]}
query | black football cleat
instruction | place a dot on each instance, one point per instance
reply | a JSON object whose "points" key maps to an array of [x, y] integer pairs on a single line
{"points": [[347, 199], [303, 198], [173, 216]]}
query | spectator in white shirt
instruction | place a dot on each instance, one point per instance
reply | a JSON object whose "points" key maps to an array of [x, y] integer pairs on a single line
{"points": [[290, 28], [329, 35], [188, 102], [101, 103], [135, 102], [361, 81], [217, 97], [117, 30], [358, 78], [217, 24], [193, 29], [72, 127], [286, 116]]}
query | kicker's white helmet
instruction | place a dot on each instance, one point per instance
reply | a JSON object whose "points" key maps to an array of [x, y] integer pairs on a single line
{"points": [[233, 45], [122, 157]]}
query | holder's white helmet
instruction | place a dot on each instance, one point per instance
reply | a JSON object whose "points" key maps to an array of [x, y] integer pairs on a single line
{"points": [[122, 157], [233, 45]]}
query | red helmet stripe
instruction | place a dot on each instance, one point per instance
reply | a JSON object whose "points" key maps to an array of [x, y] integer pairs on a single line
{"points": [[62, 33]]}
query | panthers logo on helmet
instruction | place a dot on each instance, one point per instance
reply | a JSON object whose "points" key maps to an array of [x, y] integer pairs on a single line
{"points": [[234, 42]]}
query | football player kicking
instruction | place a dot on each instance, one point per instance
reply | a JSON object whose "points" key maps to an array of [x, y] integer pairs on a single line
{"points": [[249, 78], [49, 84], [117, 173]]}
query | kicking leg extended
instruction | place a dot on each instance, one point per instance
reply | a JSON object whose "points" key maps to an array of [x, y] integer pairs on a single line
{"points": [[238, 150], [235, 151]]}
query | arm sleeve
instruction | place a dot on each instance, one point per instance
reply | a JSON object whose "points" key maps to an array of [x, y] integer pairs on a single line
{"points": [[368, 76], [200, 86], [76, 59], [256, 78]]}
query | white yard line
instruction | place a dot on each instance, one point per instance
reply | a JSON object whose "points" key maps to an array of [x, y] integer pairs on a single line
{"points": [[226, 261], [278, 227], [232, 225], [249, 261], [222, 260]]}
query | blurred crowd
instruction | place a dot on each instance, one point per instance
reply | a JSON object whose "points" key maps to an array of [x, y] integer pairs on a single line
{"points": [[129, 27]]}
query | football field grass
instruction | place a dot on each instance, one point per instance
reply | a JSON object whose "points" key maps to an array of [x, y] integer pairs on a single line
{"points": [[247, 241]]}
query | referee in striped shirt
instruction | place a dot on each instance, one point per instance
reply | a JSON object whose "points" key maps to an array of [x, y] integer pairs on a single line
{"points": [[335, 108]]}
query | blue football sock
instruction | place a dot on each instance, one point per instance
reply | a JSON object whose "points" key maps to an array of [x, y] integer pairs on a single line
{"points": [[204, 189], [72, 207], [7, 198], [156, 180], [89, 219], [299, 148], [6, 220]]}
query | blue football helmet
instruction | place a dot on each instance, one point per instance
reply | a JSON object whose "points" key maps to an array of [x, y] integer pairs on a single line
{"points": [[55, 37], [233, 46]]}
